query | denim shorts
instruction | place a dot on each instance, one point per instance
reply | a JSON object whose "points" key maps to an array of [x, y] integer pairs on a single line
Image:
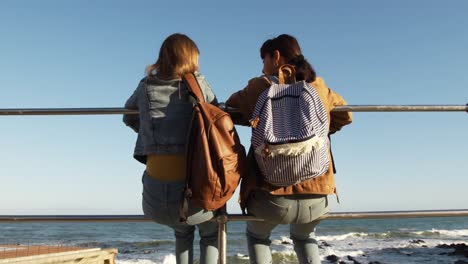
{"points": [[287, 209], [161, 202]]}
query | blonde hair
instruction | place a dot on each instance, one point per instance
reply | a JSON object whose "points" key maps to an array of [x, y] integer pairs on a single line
{"points": [[178, 55]]}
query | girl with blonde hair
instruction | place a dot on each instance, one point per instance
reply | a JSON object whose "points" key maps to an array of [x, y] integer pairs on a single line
{"points": [[165, 110]]}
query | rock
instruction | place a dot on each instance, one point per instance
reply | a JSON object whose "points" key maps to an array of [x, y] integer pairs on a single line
{"points": [[424, 246], [353, 260], [461, 246], [341, 262], [286, 243], [417, 241], [325, 244], [461, 249], [455, 246], [332, 258], [125, 251], [350, 244], [460, 262]]}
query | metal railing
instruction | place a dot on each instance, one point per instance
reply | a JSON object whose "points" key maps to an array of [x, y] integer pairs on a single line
{"points": [[223, 219], [233, 217], [121, 110]]}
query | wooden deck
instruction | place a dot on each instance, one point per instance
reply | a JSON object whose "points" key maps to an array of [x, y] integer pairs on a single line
{"points": [[24, 254]]}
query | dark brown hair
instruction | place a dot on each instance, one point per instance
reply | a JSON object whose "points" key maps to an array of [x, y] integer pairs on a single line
{"points": [[290, 50]]}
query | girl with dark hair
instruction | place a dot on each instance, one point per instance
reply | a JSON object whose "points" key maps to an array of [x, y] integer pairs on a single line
{"points": [[298, 205]]}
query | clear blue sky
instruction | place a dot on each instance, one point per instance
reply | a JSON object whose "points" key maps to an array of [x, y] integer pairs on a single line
{"points": [[93, 54]]}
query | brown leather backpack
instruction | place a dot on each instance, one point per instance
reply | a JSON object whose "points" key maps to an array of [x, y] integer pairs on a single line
{"points": [[215, 156]]}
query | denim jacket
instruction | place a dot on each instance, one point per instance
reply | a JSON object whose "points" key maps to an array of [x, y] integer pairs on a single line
{"points": [[165, 111]]}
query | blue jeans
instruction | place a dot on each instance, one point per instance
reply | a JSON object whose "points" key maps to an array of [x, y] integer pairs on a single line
{"points": [[300, 211], [161, 202]]}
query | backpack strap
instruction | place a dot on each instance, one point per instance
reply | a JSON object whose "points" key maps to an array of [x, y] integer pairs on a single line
{"points": [[286, 74], [331, 156], [194, 88], [266, 78]]}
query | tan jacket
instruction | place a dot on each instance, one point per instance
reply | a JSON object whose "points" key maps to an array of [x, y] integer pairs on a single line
{"points": [[245, 101]]}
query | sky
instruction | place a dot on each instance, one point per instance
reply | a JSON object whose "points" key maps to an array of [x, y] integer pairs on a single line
{"points": [[93, 54]]}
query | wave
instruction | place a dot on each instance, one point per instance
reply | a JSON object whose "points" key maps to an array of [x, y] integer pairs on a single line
{"points": [[342, 237], [457, 233], [342, 253], [433, 233]]}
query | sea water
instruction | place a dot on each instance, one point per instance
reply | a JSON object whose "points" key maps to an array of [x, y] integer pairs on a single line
{"points": [[385, 240]]}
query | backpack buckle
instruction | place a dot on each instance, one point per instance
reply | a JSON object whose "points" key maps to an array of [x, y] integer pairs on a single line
{"points": [[266, 152], [254, 122], [188, 193]]}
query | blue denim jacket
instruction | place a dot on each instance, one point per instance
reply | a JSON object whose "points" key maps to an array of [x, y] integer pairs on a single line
{"points": [[165, 111]]}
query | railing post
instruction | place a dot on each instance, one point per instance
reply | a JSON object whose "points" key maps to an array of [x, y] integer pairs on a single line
{"points": [[222, 238]]}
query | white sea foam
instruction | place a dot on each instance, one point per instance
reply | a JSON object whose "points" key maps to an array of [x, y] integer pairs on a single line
{"points": [[167, 259], [284, 251], [341, 253], [457, 233], [283, 241], [342, 237], [136, 261], [242, 256]]}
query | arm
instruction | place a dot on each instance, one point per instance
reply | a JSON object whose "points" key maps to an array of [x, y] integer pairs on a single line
{"points": [[132, 120], [337, 119], [246, 99], [210, 97]]}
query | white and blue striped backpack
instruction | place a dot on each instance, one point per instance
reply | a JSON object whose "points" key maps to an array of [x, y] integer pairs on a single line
{"points": [[290, 132]]}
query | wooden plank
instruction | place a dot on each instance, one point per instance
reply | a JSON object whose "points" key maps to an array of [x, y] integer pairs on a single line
{"points": [[47, 255]]}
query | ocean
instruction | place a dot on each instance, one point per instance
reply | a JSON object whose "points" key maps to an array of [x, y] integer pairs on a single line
{"points": [[351, 241]]}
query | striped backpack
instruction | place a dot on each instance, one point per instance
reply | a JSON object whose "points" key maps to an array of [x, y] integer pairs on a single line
{"points": [[290, 132]]}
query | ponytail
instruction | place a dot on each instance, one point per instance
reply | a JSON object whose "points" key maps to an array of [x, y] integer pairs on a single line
{"points": [[304, 70]]}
